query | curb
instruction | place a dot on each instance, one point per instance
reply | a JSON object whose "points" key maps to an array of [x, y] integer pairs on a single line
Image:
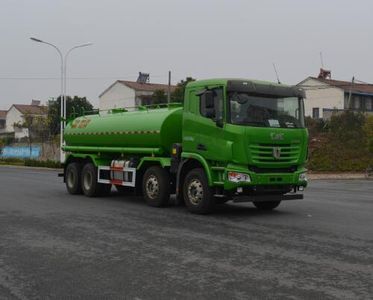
{"points": [[30, 168], [338, 176]]}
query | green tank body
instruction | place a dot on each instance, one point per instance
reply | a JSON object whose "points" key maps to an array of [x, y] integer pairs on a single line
{"points": [[142, 131]]}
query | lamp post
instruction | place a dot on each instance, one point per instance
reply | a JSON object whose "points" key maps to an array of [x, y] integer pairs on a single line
{"points": [[65, 75], [63, 88]]}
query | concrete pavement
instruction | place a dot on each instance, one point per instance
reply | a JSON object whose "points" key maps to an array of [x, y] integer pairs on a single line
{"points": [[54, 245]]}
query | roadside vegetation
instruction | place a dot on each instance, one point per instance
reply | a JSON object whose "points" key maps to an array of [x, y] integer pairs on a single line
{"points": [[31, 163], [343, 143]]}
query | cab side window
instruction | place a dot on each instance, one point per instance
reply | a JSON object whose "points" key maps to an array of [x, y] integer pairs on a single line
{"points": [[211, 104]]}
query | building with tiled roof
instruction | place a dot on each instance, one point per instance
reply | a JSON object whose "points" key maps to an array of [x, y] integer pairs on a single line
{"points": [[123, 93], [16, 115], [325, 96]]}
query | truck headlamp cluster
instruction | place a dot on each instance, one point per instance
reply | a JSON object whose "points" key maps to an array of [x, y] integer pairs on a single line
{"points": [[238, 177], [303, 177]]}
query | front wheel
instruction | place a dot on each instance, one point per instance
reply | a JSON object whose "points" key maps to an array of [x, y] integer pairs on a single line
{"points": [[268, 205], [198, 195]]}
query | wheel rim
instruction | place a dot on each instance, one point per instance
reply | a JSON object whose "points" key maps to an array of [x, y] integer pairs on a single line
{"points": [[87, 181], [70, 179], [152, 187], [195, 192]]}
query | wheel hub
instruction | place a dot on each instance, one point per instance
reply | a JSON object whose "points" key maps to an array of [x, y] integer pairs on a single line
{"points": [[152, 187], [195, 191]]}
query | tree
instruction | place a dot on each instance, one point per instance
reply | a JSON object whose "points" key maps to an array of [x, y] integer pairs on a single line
{"points": [[159, 96], [178, 93], [77, 105], [368, 129], [347, 129], [37, 128]]}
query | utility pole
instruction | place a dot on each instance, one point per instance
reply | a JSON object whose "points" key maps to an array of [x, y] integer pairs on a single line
{"points": [[278, 78], [349, 94], [169, 88], [321, 60]]}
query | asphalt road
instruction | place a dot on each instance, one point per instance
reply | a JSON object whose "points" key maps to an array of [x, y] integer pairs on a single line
{"points": [[54, 245]]}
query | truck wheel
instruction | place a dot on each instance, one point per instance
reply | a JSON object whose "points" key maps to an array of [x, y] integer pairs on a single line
{"points": [[156, 186], [90, 186], [268, 205], [72, 178], [198, 195]]}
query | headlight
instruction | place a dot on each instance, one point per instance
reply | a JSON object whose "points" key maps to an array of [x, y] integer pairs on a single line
{"points": [[303, 177], [238, 177]]}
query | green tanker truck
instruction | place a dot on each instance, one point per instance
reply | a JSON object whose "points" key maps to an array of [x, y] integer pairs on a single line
{"points": [[240, 140]]}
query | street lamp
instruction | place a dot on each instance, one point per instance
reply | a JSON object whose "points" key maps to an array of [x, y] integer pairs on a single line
{"points": [[65, 75], [63, 88]]}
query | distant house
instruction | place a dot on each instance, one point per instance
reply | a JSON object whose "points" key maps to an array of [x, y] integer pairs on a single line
{"points": [[16, 115], [124, 93], [325, 96], [2, 120]]}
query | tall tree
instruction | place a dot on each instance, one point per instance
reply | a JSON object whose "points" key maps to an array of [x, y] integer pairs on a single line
{"points": [[76, 105], [178, 94], [159, 96]]}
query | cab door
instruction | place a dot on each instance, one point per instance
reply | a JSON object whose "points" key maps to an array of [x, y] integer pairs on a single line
{"points": [[204, 131]]}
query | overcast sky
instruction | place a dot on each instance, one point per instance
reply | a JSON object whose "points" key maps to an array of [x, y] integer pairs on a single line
{"points": [[199, 38]]}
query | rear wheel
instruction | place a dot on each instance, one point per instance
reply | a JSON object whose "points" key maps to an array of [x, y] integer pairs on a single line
{"points": [[198, 195], [268, 205], [90, 186], [156, 186], [72, 178]]}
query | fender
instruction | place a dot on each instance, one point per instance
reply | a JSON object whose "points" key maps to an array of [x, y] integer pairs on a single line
{"points": [[188, 156]]}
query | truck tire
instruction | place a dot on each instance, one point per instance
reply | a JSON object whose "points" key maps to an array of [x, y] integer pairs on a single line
{"points": [[198, 196], [268, 205], [72, 178], [156, 186], [90, 186]]}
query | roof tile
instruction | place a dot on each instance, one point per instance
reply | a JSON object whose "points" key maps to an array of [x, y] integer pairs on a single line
{"points": [[31, 109], [148, 87], [363, 88]]}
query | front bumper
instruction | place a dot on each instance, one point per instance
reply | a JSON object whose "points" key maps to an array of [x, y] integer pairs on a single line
{"points": [[264, 179]]}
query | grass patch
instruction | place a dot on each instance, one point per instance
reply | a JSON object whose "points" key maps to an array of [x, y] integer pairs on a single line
{"points": [[31, 163]]}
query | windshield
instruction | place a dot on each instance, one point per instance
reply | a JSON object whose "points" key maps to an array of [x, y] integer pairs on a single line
{"points": [[266, 111]]}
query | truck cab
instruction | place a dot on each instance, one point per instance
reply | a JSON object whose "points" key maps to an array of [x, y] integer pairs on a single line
{"points": [[249, 136]]}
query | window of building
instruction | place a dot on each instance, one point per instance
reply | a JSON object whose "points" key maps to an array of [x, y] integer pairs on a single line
{"points": [[356, 102], [369, 103], [316, 113]]}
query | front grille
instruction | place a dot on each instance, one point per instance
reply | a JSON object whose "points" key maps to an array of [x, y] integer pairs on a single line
{"points": [[258, 170], [265, 153]]}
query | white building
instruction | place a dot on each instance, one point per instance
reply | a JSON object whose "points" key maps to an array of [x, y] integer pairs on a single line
{"points": [[324, 96], [16, 115], [2, 120], [128, 94]]}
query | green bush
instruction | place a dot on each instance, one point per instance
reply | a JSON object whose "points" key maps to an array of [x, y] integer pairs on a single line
{"points": [[345, 146], [44, 163]]}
